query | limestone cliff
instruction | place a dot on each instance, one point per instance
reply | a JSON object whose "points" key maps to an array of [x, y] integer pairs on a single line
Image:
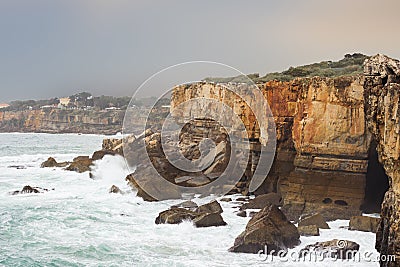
{"points": [[382, 101], [62, 121], [322, 140]]}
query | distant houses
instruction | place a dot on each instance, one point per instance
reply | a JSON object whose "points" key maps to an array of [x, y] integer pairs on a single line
{"points": [[4, 105]]}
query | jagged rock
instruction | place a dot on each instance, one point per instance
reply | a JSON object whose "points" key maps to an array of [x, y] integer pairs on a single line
{"points": [[175, 216], [51, 162], [261, 201], [308, 230], [212, 207], [314, 219], [241, 213], [269, 228], [209, 219], [149, 188], [337, 249], [101, 153], [364, 223], [226, 199], [115, 189], [80, 158], [27, 189], [80, 164], [382, 102], [207, 216]]}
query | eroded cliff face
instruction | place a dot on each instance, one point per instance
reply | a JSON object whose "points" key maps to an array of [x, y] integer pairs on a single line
{"points": [[322, 140], [332, 143], [382, 101], [62, 121]]}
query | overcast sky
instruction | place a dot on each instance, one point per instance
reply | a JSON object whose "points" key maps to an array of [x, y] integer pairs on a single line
{"points": [[54, 48]]}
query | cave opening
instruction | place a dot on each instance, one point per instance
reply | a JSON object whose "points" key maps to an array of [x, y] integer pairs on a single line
{"points": [[377, 183]]}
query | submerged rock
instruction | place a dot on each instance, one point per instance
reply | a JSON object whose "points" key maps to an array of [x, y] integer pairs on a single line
{"points": [[268, 229], [27, 189], [115, 189]]}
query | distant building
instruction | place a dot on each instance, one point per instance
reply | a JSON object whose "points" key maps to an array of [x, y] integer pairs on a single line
{"points": [[64, 101], [4, 105]]}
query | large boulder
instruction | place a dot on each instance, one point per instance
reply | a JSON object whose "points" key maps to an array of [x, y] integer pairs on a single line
{"points": [[209, 219], [267, 230], [261, 201], [175, 216], [212, 207], [204, 216], [364, 223], [313, 219]]}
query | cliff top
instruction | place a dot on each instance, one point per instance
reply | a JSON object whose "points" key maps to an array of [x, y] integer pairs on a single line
{"points": [[351, 64]]}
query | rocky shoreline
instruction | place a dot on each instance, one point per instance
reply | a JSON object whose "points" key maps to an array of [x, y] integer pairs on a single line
{"points": [[327, 131]]}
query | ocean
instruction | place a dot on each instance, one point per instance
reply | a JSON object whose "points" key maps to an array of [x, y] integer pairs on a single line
{"points": [[80, 223]]}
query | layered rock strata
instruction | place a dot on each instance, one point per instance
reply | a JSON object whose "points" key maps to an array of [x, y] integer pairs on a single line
{"points": [[382, 101], [322, 141]]}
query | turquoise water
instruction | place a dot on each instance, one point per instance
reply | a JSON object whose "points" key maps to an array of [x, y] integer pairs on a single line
{"points": [[80, 224]]}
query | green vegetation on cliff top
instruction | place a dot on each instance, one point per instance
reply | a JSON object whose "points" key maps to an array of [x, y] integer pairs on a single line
{"points": [[351, 64]]}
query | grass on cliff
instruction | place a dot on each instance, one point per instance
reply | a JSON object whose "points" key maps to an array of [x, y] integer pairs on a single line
{"points": [[351, 64]]}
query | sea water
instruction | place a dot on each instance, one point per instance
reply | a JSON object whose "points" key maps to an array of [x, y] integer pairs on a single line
{"points": [[80, 223]]}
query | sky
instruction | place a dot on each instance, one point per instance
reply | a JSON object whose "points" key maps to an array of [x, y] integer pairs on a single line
{"points": [[52, 48]]}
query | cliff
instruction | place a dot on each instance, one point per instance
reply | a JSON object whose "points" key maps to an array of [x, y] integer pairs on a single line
{"points": [[62, 121], [337, 142], [382, 100], [322, 140]]}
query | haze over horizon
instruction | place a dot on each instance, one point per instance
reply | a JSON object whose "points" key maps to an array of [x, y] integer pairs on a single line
{"points": [[58, 48]]}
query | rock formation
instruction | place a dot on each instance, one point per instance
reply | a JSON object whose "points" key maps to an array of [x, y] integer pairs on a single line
{"points": [[62, 121], [382, 101], [322, 141], [268, 229], [203, 216]]}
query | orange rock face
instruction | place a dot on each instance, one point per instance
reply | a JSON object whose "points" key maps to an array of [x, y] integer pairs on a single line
{"points": [[322, 138]]}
